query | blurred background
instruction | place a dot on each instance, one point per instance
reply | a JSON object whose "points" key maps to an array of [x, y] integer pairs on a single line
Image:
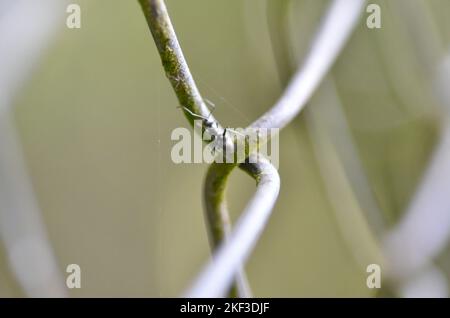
{"points": [[93, 113]]}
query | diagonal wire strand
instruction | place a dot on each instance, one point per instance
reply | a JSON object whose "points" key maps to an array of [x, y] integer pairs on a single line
{"points": [[340, 20], [193, 105], [424, 229], [230, 255], [338, 24], [345, 181], [26, 28]]}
